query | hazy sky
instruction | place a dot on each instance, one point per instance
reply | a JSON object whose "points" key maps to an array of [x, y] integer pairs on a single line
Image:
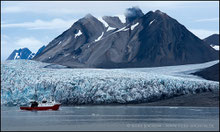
{"points": [[34, 24]]}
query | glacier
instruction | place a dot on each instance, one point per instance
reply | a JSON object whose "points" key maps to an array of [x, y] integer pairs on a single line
{"points": [[20, 79]]}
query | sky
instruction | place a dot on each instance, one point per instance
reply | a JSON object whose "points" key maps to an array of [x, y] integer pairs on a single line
{"points": [[33, 24]]}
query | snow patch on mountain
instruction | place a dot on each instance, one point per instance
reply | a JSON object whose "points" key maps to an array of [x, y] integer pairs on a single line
{"points": [[78, 34], [126, 29], [110, 28], [122, 29], [67, 54], [133, 26], [122, 18], [31, 56], [151, 22], [16, 56], [20, 79], [99, 38], [216, 47], [103, 21], [61, 41]]}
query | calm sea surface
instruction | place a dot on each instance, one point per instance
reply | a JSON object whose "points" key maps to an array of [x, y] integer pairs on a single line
{"points": [[112, 118]]}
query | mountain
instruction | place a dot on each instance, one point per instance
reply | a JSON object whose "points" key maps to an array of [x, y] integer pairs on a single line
{"points": [[113, 22], [133, 13], [23, 53], [213, 41], [145, 40], [210, 73], [40, 50]]}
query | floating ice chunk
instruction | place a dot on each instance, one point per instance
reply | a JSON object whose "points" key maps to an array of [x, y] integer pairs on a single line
{"points": [[151, 22], [133, 26], [78, 34], [173, 107], [99, 37]]}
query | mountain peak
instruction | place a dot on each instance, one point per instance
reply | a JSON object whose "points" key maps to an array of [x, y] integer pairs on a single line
{"points": [[153, 39], [133, 13], [22, 53], [113, 21], [158, 11], [89, 16], [212, 39], [24, 48]]}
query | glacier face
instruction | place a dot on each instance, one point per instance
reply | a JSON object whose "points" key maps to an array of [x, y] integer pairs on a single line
{"points": [[20, 78]]}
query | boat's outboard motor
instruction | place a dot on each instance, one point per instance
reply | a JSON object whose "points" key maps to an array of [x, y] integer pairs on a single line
{"points": [[34, 104]]}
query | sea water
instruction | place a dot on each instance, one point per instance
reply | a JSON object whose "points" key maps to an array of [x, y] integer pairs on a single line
{"points": [[112, 118]]}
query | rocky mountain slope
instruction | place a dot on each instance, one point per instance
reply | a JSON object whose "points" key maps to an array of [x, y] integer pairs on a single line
{"points": [[213, 41], [145, 40]]}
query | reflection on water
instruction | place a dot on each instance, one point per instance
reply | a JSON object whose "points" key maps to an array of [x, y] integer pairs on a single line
{"points": [[112, 118]]}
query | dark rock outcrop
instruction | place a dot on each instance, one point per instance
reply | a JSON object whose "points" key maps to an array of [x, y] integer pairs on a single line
{"points": [[210, 73]]}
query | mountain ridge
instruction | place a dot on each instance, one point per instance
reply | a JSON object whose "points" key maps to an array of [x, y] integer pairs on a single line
{"points": [[24, 53], [213, 41], [154, 39]]}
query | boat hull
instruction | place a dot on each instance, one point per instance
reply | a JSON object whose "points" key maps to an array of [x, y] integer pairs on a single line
{"points": [[54, 107]]}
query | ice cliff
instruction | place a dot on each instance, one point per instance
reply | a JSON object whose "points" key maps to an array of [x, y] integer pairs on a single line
{"points": [[20, 78]]}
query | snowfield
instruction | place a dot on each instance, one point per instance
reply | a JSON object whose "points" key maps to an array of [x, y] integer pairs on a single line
{"points": [[20, 78]]}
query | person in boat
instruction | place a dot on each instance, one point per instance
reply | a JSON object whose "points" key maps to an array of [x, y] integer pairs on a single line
{"points": [[34, 104], [44, 101]]}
